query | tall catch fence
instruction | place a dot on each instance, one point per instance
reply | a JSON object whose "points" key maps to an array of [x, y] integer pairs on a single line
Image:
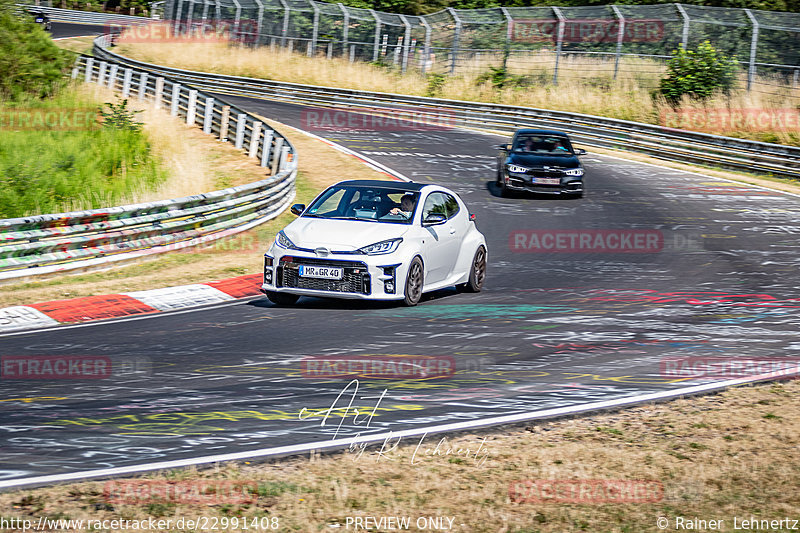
{"points": [[544, 42]]}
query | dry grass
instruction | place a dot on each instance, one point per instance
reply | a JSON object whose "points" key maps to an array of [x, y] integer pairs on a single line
{"points": [[79, 45], [585, 84], [238, 255], [718, 457]]}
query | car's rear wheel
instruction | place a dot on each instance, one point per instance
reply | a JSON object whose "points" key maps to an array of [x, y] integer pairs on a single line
{"points": [[414, 281], [282, 298], [477, 273]]}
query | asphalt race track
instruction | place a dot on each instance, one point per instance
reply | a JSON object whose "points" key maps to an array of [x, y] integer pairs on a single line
{"points": [[708, 270]]}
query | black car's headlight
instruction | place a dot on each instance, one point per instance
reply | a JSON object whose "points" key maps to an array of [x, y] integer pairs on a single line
{"points": [[284, 242], [517, 169], [383, 247], [574, 172]]}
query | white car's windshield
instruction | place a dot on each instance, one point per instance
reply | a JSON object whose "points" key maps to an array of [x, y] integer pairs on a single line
{"points": [[369, 203]]}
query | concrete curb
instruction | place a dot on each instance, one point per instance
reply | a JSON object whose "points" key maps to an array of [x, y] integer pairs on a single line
{"points": [[91, 308]]}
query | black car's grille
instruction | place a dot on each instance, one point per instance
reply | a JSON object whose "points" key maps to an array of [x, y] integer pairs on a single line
{"points": [[546, 173], [355, 278]]}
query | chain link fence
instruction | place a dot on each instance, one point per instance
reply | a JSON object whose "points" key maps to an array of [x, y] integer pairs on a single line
{"points": [[594, 43]]}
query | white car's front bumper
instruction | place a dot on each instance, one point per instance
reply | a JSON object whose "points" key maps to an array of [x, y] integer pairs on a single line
{"points": [[378, 277]]}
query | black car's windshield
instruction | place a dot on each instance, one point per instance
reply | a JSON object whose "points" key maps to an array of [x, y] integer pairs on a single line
{"points": [[374, 204], [543, 144]]}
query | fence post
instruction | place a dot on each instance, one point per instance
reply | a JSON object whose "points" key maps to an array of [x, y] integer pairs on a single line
{"points": [[456, 39], [285, 29], [89, 66], [266, 148], [352, 53], [191, 109], [509, 35], [406, 43], [345, 27], [126, 82], [795, 77], [208, 115], [224, 123], [315, 30], [275, 168], [204, 16], [254, 138], [142, 85], [176, 99], [377, 41], [101, 73], [620, 36], [189, 14], [751, 71], [241, 119], [559, 41], [237, 17], [112, 76], [426, 49], [330, 49], [257, 39], [159, 91], [178, 16], [686, 22]]}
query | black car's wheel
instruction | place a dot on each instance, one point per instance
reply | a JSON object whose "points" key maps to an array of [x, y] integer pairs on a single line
{"points": [[282, 298], [477, 273], [414, 282], [504, 192]]}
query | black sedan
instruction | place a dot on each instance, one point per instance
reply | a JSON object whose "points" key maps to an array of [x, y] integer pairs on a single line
{"points": [[41, 18], [540, 161]]}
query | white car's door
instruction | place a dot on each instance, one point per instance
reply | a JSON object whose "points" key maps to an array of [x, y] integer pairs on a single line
{"points": [[441, 241]]}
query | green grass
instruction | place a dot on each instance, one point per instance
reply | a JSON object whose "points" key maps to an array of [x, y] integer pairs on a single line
{"points": [[49, 171]]}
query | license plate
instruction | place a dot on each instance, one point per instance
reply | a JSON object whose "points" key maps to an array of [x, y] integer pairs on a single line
{"points": [[320, 272], [546, 181]]}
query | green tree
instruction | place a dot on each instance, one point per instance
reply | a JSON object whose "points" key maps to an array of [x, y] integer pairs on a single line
{"points": [[30, 64], [698, 73]]}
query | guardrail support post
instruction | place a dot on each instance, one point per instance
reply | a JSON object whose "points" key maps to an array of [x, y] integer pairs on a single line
{"points": [[241, 119], [126, 82], [208, 118], [266, 148], [89, 66], [159, 91], [76, 68], [101, 73], [254, 139], [176, 98], [559, 41], [112, 76], [191, 108], [142, 85], [620, 35], [224, 123], [284, 158], [352, 53], [276, 158], [751, 70]]}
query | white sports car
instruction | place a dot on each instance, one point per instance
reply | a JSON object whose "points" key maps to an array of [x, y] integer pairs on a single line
{"points": [[377, 240]]}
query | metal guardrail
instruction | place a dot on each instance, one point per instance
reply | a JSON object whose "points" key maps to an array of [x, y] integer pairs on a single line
{"points": [[86, 17], [45, 244], [653, 140]]}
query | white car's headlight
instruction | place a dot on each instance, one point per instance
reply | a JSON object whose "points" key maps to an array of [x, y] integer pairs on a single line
{"points": [[574, 172], [383, 247], [284, 242], [517, 169]]}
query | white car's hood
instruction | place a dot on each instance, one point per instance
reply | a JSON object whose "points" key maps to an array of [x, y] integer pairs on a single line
{"points": [[345, 235]]}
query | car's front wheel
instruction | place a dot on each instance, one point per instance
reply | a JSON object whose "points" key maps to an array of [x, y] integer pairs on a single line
{"points": [[414, 281], [282, 298], [477, 273]]}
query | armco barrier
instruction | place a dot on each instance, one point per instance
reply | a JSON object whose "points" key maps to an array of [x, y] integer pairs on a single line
{"points": [[45, 244], [656, 141]]}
